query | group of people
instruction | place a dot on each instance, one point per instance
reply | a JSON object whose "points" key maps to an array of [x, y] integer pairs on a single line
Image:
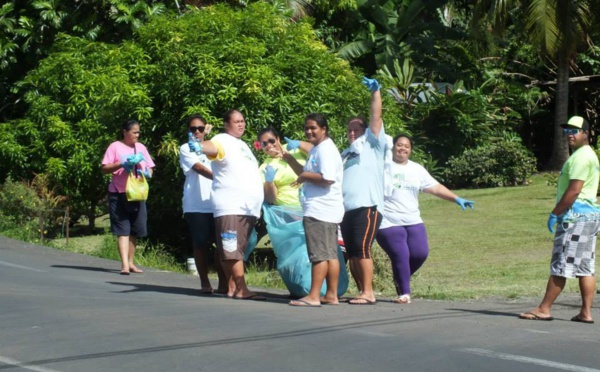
{"points": [[369, 191]]}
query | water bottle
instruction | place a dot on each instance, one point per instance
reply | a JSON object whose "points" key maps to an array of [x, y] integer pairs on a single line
{"points": [[191, 266], [191, 142]]}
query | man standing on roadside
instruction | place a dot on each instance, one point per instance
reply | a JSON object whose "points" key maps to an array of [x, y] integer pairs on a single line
{"points": [[578, 219], [363, 193]]}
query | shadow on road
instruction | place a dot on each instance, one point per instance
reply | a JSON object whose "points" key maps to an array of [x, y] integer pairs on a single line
{"points": [[487, 312], [141, 287], [86, 268]]}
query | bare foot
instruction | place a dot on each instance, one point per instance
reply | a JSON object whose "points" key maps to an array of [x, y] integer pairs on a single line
{"points": [[329, 301], [535, 314], [304, 302], [134, 269]]}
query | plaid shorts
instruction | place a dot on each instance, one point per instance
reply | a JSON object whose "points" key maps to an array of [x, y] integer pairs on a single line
{"points": [[574, 249]]}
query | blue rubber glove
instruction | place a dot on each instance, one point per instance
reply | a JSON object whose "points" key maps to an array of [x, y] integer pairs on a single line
{"points": [[552, 220], [127, 166], [269, 173], [135, 159], [463, 203], [292, 144], [372, 84], [145, 172]]}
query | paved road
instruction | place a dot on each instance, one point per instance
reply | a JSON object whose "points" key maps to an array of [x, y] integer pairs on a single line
{"points": [[61, 311]]}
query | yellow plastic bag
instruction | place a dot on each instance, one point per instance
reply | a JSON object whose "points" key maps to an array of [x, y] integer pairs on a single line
{"points": [[136, 188]]}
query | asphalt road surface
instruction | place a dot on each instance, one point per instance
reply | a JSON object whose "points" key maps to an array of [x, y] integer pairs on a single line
{"points": [[61, 311]]}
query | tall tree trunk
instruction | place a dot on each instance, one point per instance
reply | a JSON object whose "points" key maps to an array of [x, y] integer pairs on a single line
{"points": [[560, 148]]}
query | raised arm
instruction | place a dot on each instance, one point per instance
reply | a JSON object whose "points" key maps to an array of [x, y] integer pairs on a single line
{"points": [[375, 114]]}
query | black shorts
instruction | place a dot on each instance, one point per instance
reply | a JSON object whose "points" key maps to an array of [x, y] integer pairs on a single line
{"points": [[359, 227], [127, 218], [202, 229]]}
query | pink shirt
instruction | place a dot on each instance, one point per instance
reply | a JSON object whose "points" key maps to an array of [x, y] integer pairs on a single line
{"points": [[118, 152]]}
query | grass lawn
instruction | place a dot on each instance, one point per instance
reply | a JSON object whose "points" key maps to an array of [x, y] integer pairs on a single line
{"points": [[500, 249]]}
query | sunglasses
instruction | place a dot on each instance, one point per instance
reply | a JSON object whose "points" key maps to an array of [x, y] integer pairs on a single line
{"points": [[270, 140], [568, 132], [193, 129]]}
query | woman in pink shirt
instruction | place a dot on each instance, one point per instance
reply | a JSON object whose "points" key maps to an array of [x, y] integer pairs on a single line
{"points": [[127, 219]]}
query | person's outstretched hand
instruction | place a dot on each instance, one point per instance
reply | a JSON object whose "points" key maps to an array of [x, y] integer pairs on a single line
{"points": [[292, 144], [464, 203], [269, 173], [552, 221], [195, 146], [372, 84]]}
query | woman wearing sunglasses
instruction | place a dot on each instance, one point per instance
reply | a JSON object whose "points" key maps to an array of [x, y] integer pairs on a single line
{"points": [[237, 196], [197, 203], [279, 177]]}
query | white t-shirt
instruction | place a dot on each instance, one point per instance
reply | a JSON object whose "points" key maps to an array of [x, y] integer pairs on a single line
{"points": [[387, 177], [402, 206], [197, 189], [325, 203], [237, 185]]}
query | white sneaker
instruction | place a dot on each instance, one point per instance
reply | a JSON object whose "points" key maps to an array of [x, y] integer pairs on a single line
{"points": [[404, 299]]}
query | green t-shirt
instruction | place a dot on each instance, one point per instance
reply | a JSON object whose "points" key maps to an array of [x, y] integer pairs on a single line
{"points": [[582, 165], [287, 195]]}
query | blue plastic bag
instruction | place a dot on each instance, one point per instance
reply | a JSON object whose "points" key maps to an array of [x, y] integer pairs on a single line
{"points": [[286, 232]]}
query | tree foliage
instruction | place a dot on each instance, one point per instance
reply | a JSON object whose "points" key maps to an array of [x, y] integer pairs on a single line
{"points": [[76, 99], [206, 61], [29, 30]]}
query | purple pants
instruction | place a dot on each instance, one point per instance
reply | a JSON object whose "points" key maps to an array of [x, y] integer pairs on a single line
{"points": [[407, 248]]}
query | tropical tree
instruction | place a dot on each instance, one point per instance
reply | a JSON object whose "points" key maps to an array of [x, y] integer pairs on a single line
{"points": [[558, 29], [28, 31], [204, 61], [382, 31], [76, 99]]}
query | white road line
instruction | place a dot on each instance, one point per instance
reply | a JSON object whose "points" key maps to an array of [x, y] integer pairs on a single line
{"points": [[16, 363], [523, 359], [21, 267]]}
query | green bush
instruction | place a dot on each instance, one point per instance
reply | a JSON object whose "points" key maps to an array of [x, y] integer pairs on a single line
{"points": [[504, 163], [30, 210]]}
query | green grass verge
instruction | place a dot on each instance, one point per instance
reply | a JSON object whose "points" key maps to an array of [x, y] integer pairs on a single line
{"points": [[500, 249]]}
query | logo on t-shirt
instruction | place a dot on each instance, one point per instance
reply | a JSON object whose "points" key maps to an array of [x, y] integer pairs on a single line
{"points": [[399, 181], [351, 159], [312, 164], [246, 153]]}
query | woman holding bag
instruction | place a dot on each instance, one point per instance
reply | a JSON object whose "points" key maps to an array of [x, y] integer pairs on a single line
{"points": [[127, 218]]}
